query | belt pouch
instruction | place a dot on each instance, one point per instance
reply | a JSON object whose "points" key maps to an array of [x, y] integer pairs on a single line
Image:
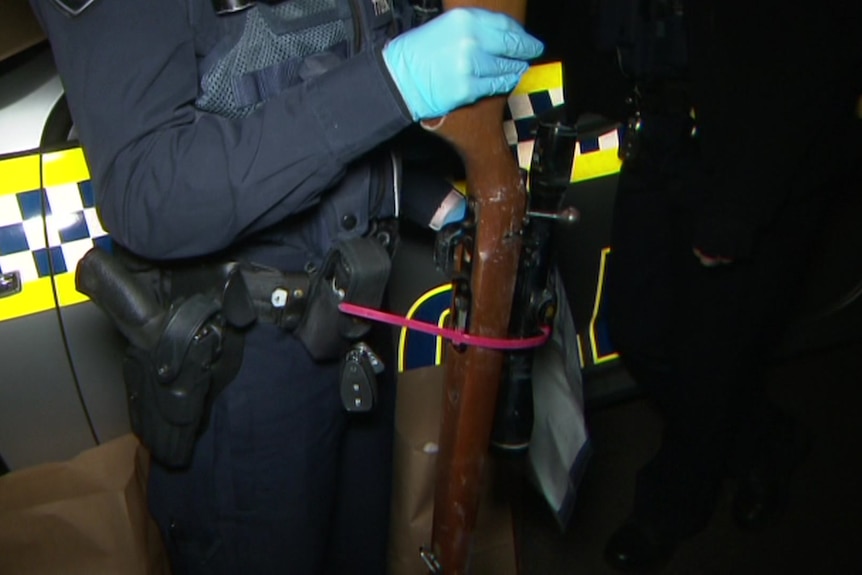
{"points": [[355, 271]]}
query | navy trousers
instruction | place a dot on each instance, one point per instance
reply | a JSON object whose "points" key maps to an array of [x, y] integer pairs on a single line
{"points": [[697, 339], [283, 480]]}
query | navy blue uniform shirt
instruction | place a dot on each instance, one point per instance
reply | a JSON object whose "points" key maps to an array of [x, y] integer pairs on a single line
{"points": [[174, 181]]}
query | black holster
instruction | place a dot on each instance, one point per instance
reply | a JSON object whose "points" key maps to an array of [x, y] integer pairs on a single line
{"points": [[185, 326], [170, 397], [183, 351]]}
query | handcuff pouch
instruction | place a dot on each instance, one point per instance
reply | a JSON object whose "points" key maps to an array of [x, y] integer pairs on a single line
{"points": [[355, 271]]}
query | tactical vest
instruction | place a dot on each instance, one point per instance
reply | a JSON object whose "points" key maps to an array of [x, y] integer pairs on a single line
{"points": [[269, 48]]}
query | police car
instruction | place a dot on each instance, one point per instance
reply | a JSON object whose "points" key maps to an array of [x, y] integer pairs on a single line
{"points": [[61, 388]]}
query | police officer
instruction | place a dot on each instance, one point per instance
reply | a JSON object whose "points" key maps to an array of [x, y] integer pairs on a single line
{"points": [[258, 132], [719, 201]]}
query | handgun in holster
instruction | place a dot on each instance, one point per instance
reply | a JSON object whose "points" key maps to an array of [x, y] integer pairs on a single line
{"points": [[181, 351]]}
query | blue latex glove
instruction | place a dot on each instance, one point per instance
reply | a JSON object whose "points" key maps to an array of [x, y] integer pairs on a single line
{"points": [[457, 58]]}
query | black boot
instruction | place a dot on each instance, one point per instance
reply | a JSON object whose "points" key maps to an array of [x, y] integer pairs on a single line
{"points": [[764, 489]]}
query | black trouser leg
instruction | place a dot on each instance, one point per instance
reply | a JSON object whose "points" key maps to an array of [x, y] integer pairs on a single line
{"points": [[283, 480], [360, 531], [696, 339]]}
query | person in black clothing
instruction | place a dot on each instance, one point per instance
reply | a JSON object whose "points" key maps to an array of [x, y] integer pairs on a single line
{"points": [[260, 136], [741, 115]]}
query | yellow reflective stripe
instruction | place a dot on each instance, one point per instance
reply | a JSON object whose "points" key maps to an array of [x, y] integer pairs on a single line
{"points": [[402, 336], [65, 167], [19, 174], [588, 166], [35, 296], [67, 294], [580, 349], [438, 350], [540, 78], [597, 303], [22, 174], [596, 165]]}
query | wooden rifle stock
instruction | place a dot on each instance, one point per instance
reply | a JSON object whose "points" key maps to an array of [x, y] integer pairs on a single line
{"points": [[496, 190]]}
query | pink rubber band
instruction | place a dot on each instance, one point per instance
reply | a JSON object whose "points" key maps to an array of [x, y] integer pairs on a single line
{"points": [[453, 335]]}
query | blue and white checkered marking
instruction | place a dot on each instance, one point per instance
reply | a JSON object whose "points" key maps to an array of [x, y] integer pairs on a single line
{"points": [[519, 120], [72, 228]]}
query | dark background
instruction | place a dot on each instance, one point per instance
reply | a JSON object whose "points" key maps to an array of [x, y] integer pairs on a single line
{"points": [[816, 375]]}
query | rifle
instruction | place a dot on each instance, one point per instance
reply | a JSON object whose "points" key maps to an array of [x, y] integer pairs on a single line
{"points": [[482, 306]]}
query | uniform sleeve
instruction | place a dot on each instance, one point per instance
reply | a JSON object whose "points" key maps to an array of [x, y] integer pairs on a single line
{"points": [[172, 181]]}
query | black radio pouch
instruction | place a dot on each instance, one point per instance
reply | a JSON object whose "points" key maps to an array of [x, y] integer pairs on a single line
{"points": [[355, 271]]}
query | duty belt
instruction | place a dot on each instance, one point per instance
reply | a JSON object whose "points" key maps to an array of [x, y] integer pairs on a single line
{"points": [[277, 297]]}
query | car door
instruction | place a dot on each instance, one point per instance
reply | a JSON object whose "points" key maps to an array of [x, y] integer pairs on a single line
{"points": [[59, 386], [42, 416], [94, 347]]}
